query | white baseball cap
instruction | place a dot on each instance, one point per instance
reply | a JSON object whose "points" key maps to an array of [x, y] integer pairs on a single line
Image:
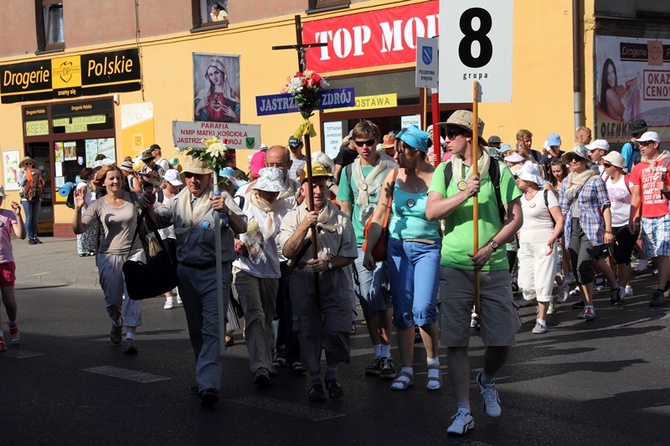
{"points": [[649, 136], [172, 177], [598, 144]]}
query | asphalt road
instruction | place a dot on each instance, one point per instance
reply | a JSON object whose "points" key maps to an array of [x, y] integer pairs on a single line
{"points": [[598, 383]]}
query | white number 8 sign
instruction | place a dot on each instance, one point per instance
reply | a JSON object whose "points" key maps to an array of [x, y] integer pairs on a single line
{"points": [[475, 45]]}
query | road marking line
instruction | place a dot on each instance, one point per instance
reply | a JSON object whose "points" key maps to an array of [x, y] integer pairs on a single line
{"points": [[287, 408], [130, 375], [21, 354]]}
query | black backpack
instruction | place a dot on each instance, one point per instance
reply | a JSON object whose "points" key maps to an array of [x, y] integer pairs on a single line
{"points": [[494, 174], [69, 201]]}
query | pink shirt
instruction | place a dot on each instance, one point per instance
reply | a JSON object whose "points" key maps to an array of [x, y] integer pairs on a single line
{"points": [[7, 220]]}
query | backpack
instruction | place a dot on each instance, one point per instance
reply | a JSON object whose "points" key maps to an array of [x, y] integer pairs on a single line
{"points": [[546, 203], [494, 174], [32, 186], [69, 201]]}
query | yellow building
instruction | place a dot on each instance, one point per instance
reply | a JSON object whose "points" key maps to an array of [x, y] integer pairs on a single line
{"points": [[82, 77]]}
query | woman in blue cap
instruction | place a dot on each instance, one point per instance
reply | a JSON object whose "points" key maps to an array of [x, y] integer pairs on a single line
{"points": [[413, 257]]}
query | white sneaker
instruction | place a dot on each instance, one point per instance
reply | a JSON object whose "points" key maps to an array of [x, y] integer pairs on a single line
{"points": [[462, 423], [169, 305], [628, 291], [563, 293], [539, 328], [474, 320], [569, 278], [178, 301], [491, 398]]}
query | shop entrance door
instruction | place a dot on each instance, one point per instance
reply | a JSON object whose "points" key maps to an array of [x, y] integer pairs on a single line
{"points": [[39, 151]]}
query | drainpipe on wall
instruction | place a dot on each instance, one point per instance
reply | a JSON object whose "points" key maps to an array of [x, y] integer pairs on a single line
{"points": [[577, 63]]}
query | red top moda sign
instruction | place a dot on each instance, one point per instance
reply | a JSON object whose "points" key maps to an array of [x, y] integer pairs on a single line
{"points": [[370, 39]]}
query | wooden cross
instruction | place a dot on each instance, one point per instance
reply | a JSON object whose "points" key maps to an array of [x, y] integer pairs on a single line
{"points": [[302, 48]]}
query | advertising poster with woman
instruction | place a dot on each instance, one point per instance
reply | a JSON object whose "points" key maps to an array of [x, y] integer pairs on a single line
{"points": [[632, 81], [216, 82]]}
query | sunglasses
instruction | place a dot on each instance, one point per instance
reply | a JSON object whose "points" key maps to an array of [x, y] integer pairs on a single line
{"points": [[191, 175], [369, 143], [451, 134], [607, 165], [645, 143], [576, 160]]}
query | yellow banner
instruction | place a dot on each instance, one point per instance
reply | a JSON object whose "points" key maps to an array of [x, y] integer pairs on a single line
{"points": [[370, 102]]}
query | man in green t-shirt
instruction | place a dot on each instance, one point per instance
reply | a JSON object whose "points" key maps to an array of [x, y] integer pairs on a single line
{"points": [[499, 321], [358, 193]]}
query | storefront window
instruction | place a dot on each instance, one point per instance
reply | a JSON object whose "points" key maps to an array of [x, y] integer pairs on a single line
{"points": [[399, 85]]}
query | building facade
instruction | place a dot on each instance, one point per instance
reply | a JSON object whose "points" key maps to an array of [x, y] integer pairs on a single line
{"points": [[81, 77]]}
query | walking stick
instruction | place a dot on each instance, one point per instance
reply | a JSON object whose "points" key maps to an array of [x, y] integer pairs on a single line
{"points": [[475, 200]]}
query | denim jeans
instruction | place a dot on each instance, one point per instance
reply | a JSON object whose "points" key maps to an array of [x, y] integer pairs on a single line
{"points": [[414, 273], [32, 210], [371, 287]]}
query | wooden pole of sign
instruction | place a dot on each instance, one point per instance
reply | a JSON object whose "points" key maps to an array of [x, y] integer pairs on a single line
{"points": [[475, 172], [437, 134]]}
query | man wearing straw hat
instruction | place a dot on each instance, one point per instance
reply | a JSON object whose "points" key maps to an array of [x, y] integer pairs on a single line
{"points": [[498, 318], [321, 304], [191, 214]]}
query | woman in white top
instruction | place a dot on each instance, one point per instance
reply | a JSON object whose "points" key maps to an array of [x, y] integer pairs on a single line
{"points": [[537, 254], [256, 272], [618, 190], [87, 242]]}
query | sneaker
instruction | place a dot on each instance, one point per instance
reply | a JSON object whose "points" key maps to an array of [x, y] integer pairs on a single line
{"points": [[474, 320], [628, 291], [551, 308], [599, 288], [578, 305], [588, 313], [315, 393], [375, 368], [209, 397], [335, 390], [539, 328], [38, 241], [179, 302], [387, 370], [616, 295], [575, 292], [14, 335], [115, 335], [32, 241], [657, 299], [3, 346], [262, 377], [569, 278], [462, 423], [490, 397], [129, 347], [169, 305], [562, 293]]}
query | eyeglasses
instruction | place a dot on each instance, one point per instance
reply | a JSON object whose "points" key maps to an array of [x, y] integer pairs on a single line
{"points": [[645, 143], [275, 164], [369, 143], [607, 165], [191, 175], [451, 134]]}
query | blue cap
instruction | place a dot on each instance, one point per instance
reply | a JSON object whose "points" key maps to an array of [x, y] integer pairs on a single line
{"points": [[554, 140], [414, 137]]}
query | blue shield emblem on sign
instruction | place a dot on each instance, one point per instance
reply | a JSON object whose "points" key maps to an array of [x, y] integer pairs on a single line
{"points": [[427, 54]]}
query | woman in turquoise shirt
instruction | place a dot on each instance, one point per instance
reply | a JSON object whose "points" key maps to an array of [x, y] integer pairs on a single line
{"points": [[413, 258]]}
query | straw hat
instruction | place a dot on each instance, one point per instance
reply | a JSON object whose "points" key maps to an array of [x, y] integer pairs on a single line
{"points": [[27, 159], [196, 166], [463, 119]]}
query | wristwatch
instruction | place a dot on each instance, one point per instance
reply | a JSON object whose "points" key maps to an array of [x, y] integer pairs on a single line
{"points": [[330, 265], [494, 245]]}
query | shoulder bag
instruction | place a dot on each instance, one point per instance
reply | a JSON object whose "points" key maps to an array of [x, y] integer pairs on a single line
{"points": [[155, 277], [379, 250]]}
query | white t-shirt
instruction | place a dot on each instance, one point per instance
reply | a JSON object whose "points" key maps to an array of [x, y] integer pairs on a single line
{"points": [[537, 224], [620, 199]]}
